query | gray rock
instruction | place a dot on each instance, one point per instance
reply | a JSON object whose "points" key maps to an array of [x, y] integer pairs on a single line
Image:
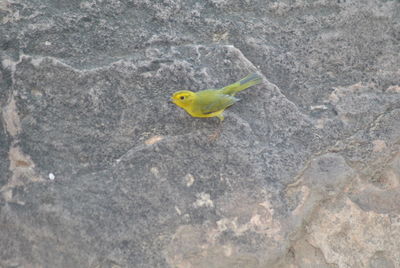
{"points": [[99, 169], [379, 260]]}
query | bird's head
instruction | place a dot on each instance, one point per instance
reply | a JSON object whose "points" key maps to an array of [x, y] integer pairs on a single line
{"points": [[183, 98]]}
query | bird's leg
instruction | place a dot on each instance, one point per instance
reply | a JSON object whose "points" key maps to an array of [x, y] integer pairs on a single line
{"points": [[215, 135]]}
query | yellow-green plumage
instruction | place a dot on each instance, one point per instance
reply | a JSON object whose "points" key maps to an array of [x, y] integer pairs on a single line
{"points": [[213, 102]]}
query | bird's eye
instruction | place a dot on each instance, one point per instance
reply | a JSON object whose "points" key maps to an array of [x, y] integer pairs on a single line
{"points": [[182, 97]]}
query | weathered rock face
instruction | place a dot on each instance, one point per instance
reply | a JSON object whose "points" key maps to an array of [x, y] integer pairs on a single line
{"points": [[99, 169]]}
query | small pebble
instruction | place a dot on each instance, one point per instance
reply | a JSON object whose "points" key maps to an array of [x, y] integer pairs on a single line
{"points": [[51, 176]]}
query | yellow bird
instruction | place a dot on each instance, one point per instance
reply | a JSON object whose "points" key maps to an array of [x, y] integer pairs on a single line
{"points": [[213, 102]]}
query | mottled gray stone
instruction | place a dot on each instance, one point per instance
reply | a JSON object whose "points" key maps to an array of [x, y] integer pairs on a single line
{"points": [[4, 164], [380, 261], [303, 172]]}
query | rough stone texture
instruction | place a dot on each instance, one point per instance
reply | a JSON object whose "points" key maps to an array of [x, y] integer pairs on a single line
{"points": [[304, 171]]}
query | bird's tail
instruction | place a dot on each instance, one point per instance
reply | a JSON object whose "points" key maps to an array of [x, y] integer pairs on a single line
{"points": [[248, 81]]}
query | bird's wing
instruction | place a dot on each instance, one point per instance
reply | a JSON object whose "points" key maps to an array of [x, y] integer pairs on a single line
{"points": [[217, 103]]}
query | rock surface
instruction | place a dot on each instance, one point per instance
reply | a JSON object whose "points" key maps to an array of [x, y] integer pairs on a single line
{"points": [[99, 169]]}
